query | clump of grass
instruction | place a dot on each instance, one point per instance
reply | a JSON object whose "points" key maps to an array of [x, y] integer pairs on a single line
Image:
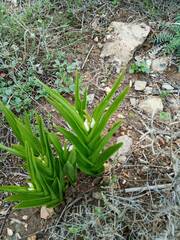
{"points": [[30, 49]]}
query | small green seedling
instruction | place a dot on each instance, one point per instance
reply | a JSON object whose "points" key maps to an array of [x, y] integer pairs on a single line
{"points": [[139, 67]]}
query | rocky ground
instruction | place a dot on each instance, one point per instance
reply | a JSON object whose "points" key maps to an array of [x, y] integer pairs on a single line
{"points": [[138, 197]]}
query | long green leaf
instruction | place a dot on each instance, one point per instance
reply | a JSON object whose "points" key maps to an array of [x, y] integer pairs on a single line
{"points": [[108, 153], [33, 202], [99, 110], [100, 145], [75, 141], [13, 189], [12, 121], [99, 126]]}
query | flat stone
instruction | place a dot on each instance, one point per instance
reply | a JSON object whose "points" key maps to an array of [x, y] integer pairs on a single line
{"points": [[167, 86], [148, 90], [122, 42], [140, 85], [160, 64], [133, 101], [126, 147], [151, 105], [46, 213], [9, 232]]}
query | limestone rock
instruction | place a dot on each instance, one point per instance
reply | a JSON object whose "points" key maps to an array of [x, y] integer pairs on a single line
{"points": [[133, 101], [140, 85], [9, 232], [46, 212], [148, 90], [123, 41], [126, 147], [160, 64], [167, 86], [151, 105]]}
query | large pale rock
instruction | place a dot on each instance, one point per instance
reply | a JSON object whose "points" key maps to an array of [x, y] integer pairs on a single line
{"points": [[151, 105], [123, 41]]}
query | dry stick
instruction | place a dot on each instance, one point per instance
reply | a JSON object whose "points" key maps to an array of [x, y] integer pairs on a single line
{"points": [[87, 56], [155, 187], [147, 188]]}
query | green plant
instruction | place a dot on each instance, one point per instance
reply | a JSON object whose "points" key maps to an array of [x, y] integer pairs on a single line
{"points": [[85, 130], [165, 116], [169, 38], [164, 94], [139, 67], [50, 166], [27, 52], [63, 70], [115, 2]]}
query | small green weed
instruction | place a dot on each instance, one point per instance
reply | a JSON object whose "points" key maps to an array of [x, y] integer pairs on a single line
{"points": [[169, 38], [165, 116], [139, 67], [164, 94], [30, 50], [63, 71]]}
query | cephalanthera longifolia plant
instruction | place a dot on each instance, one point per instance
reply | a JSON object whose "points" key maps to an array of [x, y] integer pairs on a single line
{"points": [[86, 131], [49, 165]]}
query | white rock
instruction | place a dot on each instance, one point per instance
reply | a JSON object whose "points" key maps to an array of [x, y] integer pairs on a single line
{"points": [[167, 86], [151, 105], [133, 101], [160, 64], [123, 41], [9, 232], [25, 217], [126, 147], [148, 90], [46, 212], [96, 39], [107, 89], [140, 85], [100, 45], [90, 98]]}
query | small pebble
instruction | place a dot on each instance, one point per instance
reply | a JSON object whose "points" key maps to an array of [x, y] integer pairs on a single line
{"points": [[167, 86], [9, 232], [96, 39], [140, 85], [100, 45], [133, 101], [25, 217], [107, 89], [148, 90]]}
